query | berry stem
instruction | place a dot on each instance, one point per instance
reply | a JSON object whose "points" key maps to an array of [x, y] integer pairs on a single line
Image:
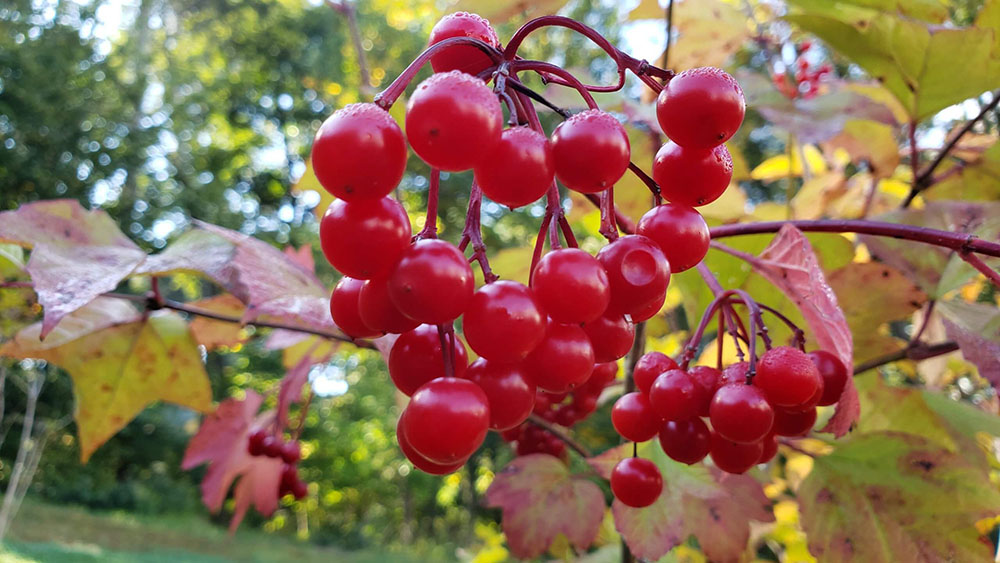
{"points": [[608, 227], [446, 334], [719, 301], [798, 333], [302, 415], [540, 66], [733, 323], [472, 232], [567, 231], [984, 268], [539, 243], [430, 223], [559, 433], [654, 188]]}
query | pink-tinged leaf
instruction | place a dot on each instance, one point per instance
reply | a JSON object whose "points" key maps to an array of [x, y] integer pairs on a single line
{"points": [[541, 499], [76, 254], [213, 334], [259, 486], [306, 310], [303, 256], [222, 431], [791, 265], [291, 387], [196, 251], [976, 330]]}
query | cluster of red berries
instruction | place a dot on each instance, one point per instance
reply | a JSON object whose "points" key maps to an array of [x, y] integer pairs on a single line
{"points": [[805, 79], [263, 443], [747, 412]]}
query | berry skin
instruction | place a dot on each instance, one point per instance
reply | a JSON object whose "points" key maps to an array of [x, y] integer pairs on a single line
{"points": [[510, 391], [432, 282], [610, 336], [344, 309], [638, 274], [359, 153], [769, 448], [563, 360], [733, 373], [675, 396], [418, 460], [834, 375], [291, 452], [701, 108], [271, 446], [649, 309], [465, 58], [741, 413], [571, 286], [363, 239], [590, 151], [679, 231], [692, 177], [453, 121], [255, 443], [734, 457], [649, 367], [447, 419], [636, 482], [415, 359], [686, 441], [519, 169], [788, 376], [504, 322], [299, 490], [633, 417], [377, 310], [706, 379], [788, 423]]}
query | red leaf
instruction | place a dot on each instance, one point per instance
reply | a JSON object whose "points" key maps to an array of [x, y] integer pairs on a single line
{"points": [[259, 485], [303, 256], [291, 387], [541, 499]]}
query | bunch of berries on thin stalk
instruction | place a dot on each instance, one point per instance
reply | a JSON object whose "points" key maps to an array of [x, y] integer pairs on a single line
{"points": [[264, 442], [803, 79]]}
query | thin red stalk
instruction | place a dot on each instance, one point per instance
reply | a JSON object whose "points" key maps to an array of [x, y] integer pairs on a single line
{"points": [[733, 323], [472, 232], [558, 433], [567, 231], [915, 353], [539, 242], [387, 97], [924, 322], [608, 227], [654, 188], [520, 66], [984, 268], [430, 223], [447, 359], [302, 415]]}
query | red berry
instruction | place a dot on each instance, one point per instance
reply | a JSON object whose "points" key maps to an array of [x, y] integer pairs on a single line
{"points": [[415, 359], [432, 282], [300, 490], [788, 376], [453, 121], [363, 239], [377, 310], [344, 309], [510, 391], [271, 446], [686, 441], [504, 321], [633, 417], [565, 416], [649, 309], [692, 177], [289, 476], [706, 379], [734, 457], [447, 419], [419, 461], [649, 367], [610, 336], [679, 231], [603, 375], [590, 151], [563, 360], [741, 413], [291, 452], [519, 169], [636, 482], [465, 58], [701, 108], [805, 46], [638, 273], [769, 448], [788, 423], [733, 373], [675, 396], [571, 285], [255, 443], [359, 153], [834, 375]]}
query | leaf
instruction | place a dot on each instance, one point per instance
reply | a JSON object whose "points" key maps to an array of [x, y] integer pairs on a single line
{"points": [[214, 334], [76, 254], [976, 330], [258, 485], [302, 256], [706, 33], [291, 387], [781, 166], [934, 11], [790, 264], [11, 260], [308, 182], [196, 251], [541, 499], [119, 365], [872, 142], [977, 180], [499, 11], [887, 496]]}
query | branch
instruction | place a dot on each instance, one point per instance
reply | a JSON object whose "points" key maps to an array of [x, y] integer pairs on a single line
{"points": [[915, 352], [559, 433], [350, 11], [984, 268]]}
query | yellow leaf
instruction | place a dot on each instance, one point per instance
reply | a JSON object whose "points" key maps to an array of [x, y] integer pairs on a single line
{"points": [[309, 182], [780, 166]]}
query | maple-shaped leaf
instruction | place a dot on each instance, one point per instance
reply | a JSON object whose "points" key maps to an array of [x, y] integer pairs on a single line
{"points": [[76, 254], [791, 265], [258, 485], [196, 251], [212, 333], [888, 497], [541, 499], [120, 363]]}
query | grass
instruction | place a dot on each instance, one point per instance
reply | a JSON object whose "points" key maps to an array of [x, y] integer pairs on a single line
{"points": [[45, 533]]}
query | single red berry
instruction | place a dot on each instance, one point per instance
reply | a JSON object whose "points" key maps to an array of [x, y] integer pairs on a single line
{"points": [[289, 476], [585, 406], [542, 402], [788, 376], [519, 169], [571, 285], [565, 416], [611, 337], [701, 108], [675, 396], [300, 490], [638, 273], [706, 379], [633, 417], [377, 310], [255, 443], [679, 231], [590, 151], [812, 403], [692, 177], [604, 374], [291, 452], [359, 153], [447, 419], [344, 309], [504, 321], [363, 239], [271, 446], [734, 457], [510, 391], [649, 367], [432, 282], [733, 373], [834, 375], [686, 441], [415, 358], [419, 461], [769, 448], [465, 58], [563, 360], [789, 423], [511, 434], [453, 121], [741, 413], [649, 309], [636, 482]]}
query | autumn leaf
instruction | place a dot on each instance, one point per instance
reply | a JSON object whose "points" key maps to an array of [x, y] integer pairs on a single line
{"points": [[258, 485], [541, 499], [302, 256], [976, 329], [871, 142], [196, 251], [291, 387], [212, 333]]}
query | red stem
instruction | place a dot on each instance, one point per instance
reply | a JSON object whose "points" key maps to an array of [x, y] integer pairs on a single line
{"points": [[608, 228], [387, 97], [984, 268], [430, 223], [520, 66], [472, 232]]}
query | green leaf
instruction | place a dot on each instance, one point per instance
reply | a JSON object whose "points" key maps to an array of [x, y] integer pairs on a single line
{"points": [[706, 33], [11, 260], [934, 11], [977, 180], [872, 142]]}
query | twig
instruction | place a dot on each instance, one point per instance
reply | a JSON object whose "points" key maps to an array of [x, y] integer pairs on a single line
{"points": [[915, 352], [350, 11], [670, 32], [984, 268], [559, 433]]}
